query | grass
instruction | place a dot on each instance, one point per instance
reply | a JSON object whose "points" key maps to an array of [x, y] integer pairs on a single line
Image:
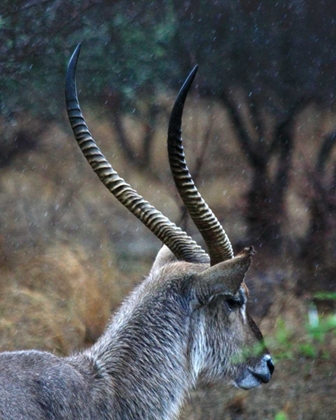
{"points": [[313, 341], [281, 415]]}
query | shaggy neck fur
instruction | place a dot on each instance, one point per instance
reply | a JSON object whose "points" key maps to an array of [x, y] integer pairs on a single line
{"points": [[144, 355]]}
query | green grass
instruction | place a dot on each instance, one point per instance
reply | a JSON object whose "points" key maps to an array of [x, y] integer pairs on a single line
{"points": [[281, 415], [285, 344]]}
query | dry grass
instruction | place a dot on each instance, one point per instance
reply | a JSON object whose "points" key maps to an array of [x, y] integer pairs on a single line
{"points": [[56, 299]]}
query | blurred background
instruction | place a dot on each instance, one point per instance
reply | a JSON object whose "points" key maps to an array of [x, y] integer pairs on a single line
{"points": [[259, 131]]}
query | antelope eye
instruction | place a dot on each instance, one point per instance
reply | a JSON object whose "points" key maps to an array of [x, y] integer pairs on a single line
{"points": [[233, 304]]}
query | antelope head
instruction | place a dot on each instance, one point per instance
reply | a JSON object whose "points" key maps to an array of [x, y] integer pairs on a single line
{"points": [[221, 341]]}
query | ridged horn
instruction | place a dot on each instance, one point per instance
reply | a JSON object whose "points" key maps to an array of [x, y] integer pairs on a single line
{"points": [[217, 241], [182, 246]]}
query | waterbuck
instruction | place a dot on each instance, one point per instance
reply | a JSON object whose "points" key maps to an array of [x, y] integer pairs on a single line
{"points": [[185, 323]]}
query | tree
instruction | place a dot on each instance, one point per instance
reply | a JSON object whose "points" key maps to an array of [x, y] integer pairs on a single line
{"points": [[266, 64], [320, 242]]}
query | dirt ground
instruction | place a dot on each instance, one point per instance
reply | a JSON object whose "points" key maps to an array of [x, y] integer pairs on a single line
{"points": [[300, 389]]}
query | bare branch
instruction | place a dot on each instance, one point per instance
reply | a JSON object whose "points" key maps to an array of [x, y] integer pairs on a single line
{"points": [[258, 124], [327, 145], [243, 137]]}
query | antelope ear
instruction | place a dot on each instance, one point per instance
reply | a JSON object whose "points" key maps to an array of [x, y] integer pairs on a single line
{"points": [[164, 256], [224, 278]]}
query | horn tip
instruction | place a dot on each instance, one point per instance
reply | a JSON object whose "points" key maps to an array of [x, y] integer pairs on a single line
{"points": [[75, 54], [70, 79]]}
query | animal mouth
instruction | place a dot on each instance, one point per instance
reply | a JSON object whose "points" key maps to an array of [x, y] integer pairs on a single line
{"points": [[248, 382], [252, 378]]}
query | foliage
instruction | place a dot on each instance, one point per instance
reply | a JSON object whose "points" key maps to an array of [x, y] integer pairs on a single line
{"points": [[124, 46], [281, 415], [271, 51], [285, 345], [325, 295]]}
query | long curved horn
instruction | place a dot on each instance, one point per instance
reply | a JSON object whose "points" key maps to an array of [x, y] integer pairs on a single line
{"points": [[182, 246], [217, 241]]}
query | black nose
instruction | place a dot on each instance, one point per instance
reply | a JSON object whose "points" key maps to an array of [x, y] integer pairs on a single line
{"points": [[264, 370], [270, 365]]}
